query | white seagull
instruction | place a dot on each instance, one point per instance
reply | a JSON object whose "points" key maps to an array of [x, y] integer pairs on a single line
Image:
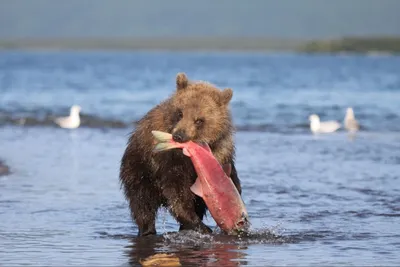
{"points": [[317, 126], [72, 121], [350, 122]]}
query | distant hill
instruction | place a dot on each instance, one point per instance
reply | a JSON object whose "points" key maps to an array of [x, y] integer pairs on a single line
{"points": [[154, 43], [287, 19]]}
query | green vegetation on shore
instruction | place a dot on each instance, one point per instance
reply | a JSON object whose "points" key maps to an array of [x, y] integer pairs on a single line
{"points": [[355, 45], [350, 44]]}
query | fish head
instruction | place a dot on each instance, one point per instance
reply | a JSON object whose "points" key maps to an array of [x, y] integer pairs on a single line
{"points": [[244, 221], [242, 225]]}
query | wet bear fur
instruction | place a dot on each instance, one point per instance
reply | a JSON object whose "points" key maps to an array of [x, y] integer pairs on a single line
{"points": [[196, 111]]}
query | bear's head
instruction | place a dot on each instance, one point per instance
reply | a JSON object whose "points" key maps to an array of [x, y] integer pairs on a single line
{"points": [[200, 111]]}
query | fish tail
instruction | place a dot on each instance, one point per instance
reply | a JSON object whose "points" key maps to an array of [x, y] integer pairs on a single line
{"points": [[162, 136], [164, 141], [165, 146]]}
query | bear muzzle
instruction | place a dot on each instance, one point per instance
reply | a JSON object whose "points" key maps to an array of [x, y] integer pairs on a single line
{"points": [[180, 136]]}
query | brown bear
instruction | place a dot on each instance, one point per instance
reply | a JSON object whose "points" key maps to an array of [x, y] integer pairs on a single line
{"points": [[197, 111]]}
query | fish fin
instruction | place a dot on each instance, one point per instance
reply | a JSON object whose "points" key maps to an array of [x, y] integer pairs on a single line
{"points": [[205, 146], [162, 136], [227, 169], [186, 152], [196, 188]]}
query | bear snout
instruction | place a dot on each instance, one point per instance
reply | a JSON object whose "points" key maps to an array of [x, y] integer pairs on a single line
{"points": [[180, 136]]}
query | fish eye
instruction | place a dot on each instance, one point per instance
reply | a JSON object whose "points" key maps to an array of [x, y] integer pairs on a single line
{"points": [[199, 122]]}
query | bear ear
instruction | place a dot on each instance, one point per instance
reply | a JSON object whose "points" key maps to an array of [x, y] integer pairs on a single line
{"points": [[181, 81], [226, 96]]}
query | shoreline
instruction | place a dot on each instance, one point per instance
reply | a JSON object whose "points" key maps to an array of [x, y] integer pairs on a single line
{"points": [[360, 45]]}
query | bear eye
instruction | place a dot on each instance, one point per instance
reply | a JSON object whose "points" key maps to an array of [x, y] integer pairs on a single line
{"points": [[179, 114], [199, 122]]}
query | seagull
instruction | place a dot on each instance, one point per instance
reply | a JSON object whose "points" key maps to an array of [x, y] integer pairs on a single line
{"points": [[350, 122], [72, 121], [317, 126]]}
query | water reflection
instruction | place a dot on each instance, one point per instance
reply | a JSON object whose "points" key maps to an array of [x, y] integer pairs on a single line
{"points": [[219, 252], [219, 255]]}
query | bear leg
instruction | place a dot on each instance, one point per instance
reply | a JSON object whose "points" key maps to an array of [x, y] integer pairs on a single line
{"points": [[145, 218], [200, 208], [183, 208], [200, 227], [144, 205]]}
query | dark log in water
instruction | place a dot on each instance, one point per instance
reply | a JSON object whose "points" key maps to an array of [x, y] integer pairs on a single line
{"points": [[4, 169]]}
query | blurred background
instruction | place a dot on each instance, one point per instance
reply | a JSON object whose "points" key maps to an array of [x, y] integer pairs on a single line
{"points": [[321, 195], [179, 24]]}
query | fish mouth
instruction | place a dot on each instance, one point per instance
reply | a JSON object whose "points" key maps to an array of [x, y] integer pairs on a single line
{"points": [[242, 225]]}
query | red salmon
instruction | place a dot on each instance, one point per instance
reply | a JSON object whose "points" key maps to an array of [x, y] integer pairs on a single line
{"points": [[213, 183]]}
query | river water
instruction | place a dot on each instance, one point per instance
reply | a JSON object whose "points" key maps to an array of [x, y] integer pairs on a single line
{"points": [[321, 200]]}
